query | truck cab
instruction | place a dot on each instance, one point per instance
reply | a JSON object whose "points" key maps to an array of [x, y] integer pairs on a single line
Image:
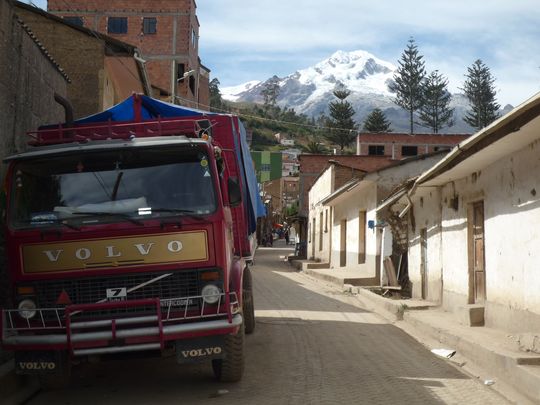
{"points": [[126, 237]]}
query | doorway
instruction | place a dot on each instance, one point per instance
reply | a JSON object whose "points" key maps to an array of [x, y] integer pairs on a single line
{"points": [[476, 253], [423, 262]]}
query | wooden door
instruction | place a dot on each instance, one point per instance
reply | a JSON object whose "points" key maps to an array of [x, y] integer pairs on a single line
{"points": [[477, 275], [343, 247], [423, 262]]}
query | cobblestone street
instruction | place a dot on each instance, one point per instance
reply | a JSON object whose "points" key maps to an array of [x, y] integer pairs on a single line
{"points": [[312, 345]]}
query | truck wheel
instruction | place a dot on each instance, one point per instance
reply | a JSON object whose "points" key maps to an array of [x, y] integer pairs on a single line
{"points": [[248, 308], [231, 368]]}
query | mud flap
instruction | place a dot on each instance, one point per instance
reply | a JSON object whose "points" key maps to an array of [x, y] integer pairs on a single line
{"points": [[200, 349], [41, 362]]}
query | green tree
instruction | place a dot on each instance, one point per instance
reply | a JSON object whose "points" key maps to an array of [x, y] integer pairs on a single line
{"points": [[270, 92], [435, 112], [315, 147], [376, 122], [342, 127], [216, 102], [480, 91], [408, 81]]}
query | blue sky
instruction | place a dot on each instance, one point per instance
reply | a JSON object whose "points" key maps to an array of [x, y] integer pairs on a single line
{"points": [[242, 40]]}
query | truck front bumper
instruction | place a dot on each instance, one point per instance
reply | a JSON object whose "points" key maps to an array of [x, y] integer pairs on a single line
{"points": [[121, 334]]}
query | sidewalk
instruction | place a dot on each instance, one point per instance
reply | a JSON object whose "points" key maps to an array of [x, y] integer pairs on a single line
{"points": [[486, 353]]}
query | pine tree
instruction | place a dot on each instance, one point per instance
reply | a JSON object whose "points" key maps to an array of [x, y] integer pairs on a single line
{"points": [[342, 127], [480, 91], [376, 122], [270, 92], [408, 81], [435, 112], [216, 102]]}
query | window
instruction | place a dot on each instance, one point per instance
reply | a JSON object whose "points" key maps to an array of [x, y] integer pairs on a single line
{"points": [[361, 237], [74, 20], [409, 150], [376, 150], [438, 148], [326, 220], [149, 25], [192, 84], [193, 38], [180, 70], [117, 25]]}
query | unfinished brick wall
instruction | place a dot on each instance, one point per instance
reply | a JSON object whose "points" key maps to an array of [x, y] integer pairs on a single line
{"points": [[80, 55], [177, 26]]}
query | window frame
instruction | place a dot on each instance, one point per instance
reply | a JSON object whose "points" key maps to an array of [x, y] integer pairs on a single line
{"points": [[149, 22], [113, 28]]}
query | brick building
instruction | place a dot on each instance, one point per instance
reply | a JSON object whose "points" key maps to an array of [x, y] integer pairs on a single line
{"points": [[311, 166], [29, 79], [166, 32], [103, 70], [398, 146]]}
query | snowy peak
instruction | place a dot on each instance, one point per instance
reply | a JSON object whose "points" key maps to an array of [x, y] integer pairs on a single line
{"points": [[233, 93], [359, 71]]}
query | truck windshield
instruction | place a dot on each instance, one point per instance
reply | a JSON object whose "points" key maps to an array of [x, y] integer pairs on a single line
{"points": [[111, 186]]}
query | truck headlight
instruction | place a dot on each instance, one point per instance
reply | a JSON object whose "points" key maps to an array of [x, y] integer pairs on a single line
{"points": [[211, 293], [27, 308]]}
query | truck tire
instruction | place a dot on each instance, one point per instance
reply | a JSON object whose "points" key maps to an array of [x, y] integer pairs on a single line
{"points": [[231, 368], [248, 307]]}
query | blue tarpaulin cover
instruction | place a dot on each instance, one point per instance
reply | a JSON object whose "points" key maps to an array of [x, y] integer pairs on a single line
{"points": [[152, 108]]}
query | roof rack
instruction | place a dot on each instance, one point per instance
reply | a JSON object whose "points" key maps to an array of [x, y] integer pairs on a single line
{"points": [[63, 133]]}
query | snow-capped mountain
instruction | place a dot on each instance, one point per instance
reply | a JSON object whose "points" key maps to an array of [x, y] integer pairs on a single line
{"points": [[233, 93], [309, 91]]}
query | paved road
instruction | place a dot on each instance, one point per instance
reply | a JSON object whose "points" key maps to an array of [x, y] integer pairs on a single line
{"points": [[312, 345]]}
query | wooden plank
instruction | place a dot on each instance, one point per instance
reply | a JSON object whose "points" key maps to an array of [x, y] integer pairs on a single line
{"points": [[390, 272]]}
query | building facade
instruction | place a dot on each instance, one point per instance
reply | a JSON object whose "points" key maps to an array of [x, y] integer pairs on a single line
{"points": [[103, 70], [166, 32], [473, 226], [399, 146]]}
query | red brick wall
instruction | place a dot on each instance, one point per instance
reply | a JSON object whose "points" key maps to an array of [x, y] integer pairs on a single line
{"points": [[157, 48], [393, 142]]}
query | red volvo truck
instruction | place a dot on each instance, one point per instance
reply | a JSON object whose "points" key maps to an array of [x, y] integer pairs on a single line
{"points": [[127, 231]]}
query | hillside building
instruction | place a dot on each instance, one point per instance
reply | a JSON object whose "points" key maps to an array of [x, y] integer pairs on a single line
{"points": [[398, 145], [166, 32], [103, 70]]}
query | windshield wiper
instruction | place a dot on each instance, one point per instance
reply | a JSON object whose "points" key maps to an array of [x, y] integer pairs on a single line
{"points": [[127, 217], [187, 213], [51, 221]]}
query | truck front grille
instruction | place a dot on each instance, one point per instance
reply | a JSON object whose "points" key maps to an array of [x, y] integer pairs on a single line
{"points": [[91, 290]]}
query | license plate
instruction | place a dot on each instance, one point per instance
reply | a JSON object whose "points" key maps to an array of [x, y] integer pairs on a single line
{"points": [[203, 348], [37, 362], [116, 294]]}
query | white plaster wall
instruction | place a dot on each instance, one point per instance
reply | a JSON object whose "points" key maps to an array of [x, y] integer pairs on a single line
{"points": [[427, 214], [320, 189], [510, 189], [360, 199]]}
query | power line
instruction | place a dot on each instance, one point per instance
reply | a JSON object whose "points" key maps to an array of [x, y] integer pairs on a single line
{"points": [[269, 119]]}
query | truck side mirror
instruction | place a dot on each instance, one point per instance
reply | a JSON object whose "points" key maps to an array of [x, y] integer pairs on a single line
{"points": [[235, 194]]}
